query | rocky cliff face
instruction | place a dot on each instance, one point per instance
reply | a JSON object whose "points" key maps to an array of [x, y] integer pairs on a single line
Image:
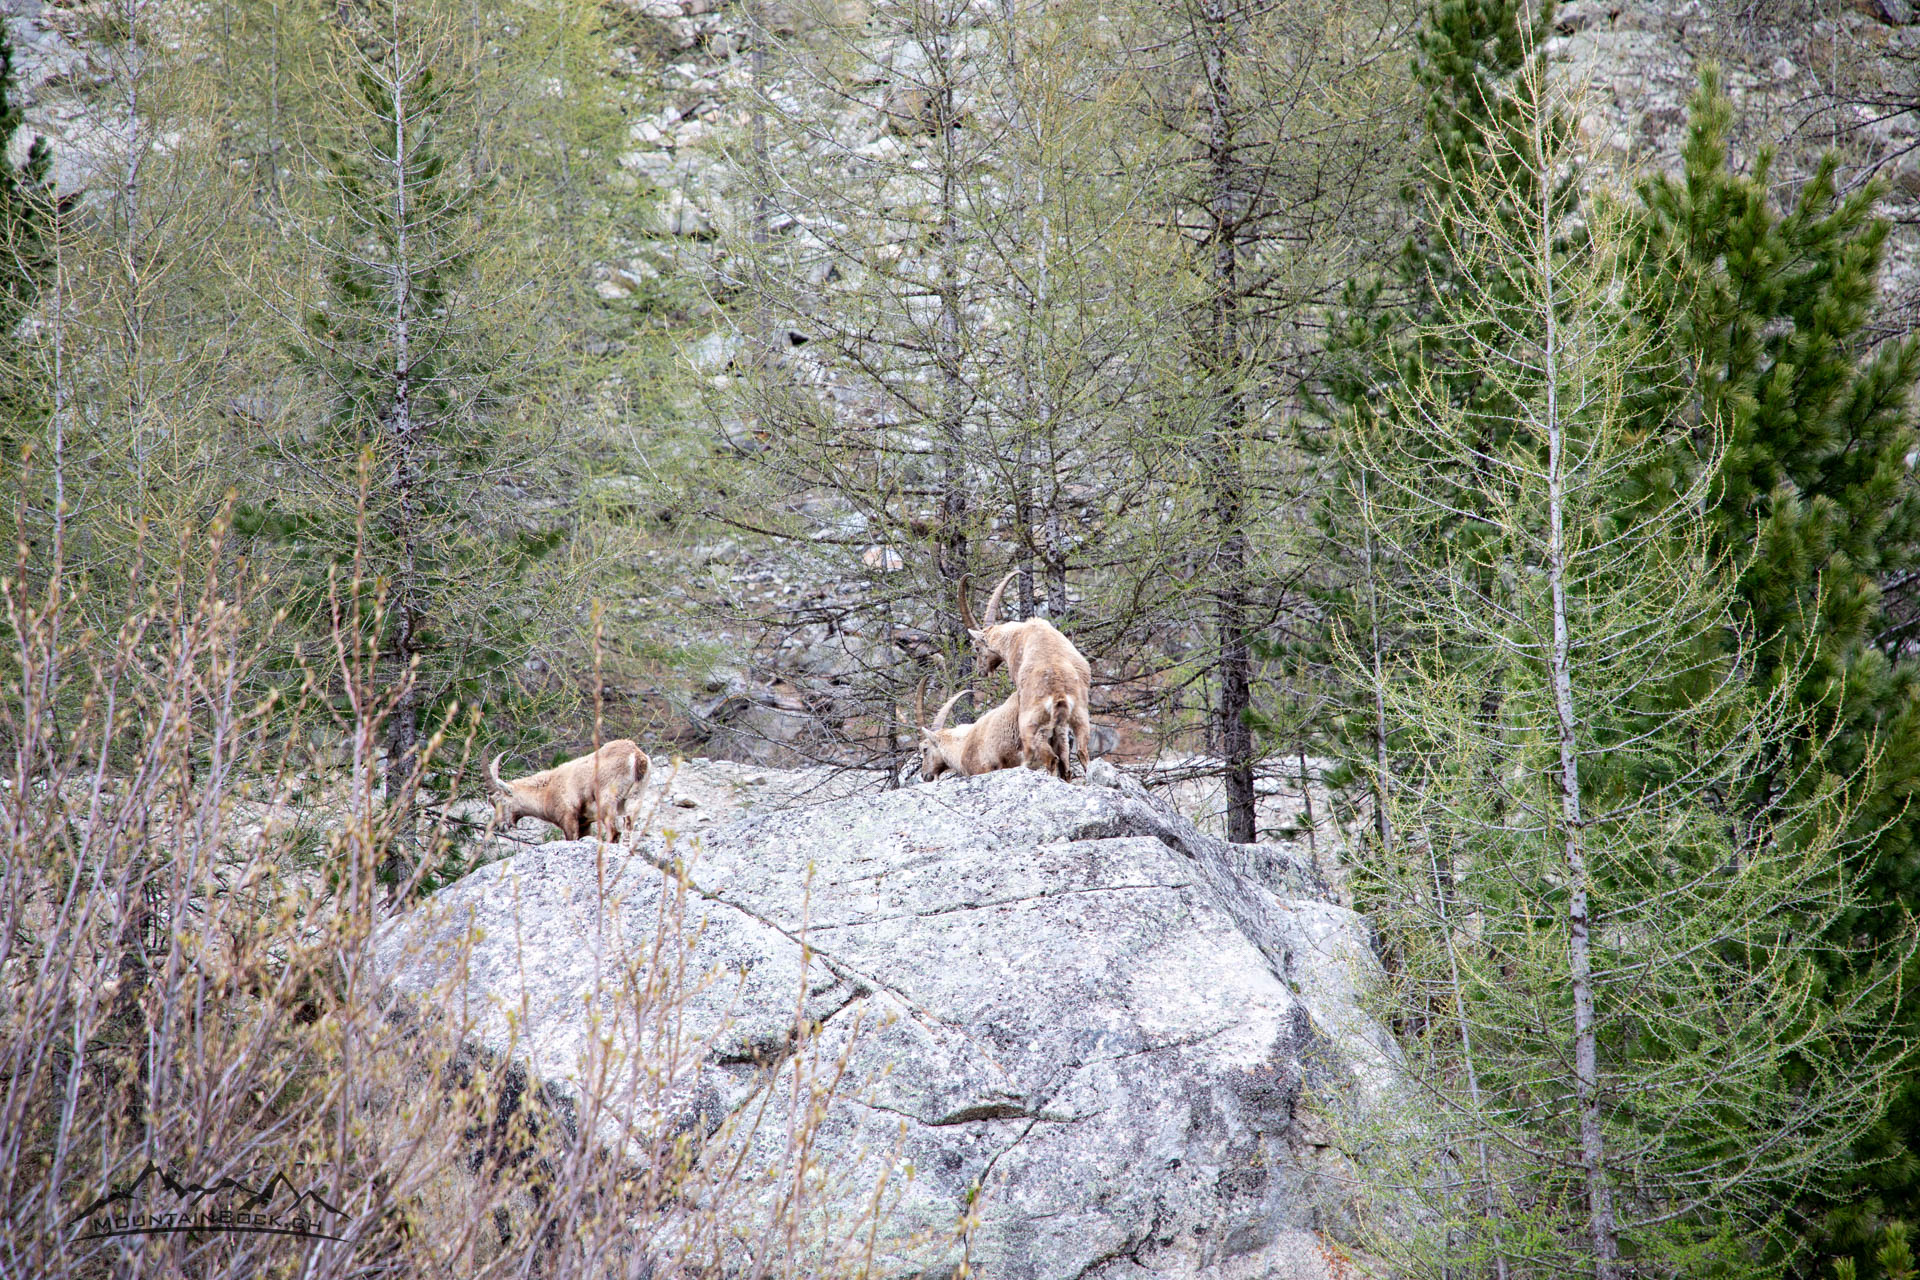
{"points": [[55, 74], [1807, 75], [1123, 1043]]}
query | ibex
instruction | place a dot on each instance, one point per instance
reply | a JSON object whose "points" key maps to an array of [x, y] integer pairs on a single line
{"points": [[1050, 678], [989, 743], [573, 796]]}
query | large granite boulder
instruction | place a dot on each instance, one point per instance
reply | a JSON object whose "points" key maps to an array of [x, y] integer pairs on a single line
{"points": [[1108, 1044]]}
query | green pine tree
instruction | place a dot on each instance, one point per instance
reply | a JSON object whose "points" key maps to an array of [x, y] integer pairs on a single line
{"points": [[1470, 55], [417, 470], [1895, 1256], [1759, 318], [1607, 987]]}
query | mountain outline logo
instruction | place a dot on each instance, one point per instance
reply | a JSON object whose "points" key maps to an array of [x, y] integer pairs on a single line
{"points": [[256, 1214]]}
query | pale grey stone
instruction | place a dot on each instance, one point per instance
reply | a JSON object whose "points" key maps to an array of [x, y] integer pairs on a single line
{"points": [[1127, 1033], [713, 352]]}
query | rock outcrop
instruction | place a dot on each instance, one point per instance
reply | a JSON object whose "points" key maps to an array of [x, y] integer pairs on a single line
{"points": [[1124, 1043]]}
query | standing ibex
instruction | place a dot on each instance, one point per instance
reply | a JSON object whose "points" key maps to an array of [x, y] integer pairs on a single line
{"points": [[573, 796], [1050, 678], [989, 743]]}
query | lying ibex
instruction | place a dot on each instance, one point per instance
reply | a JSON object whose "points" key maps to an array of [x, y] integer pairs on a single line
{"points": [[989, 743], [597, 787], [1050, 678]]}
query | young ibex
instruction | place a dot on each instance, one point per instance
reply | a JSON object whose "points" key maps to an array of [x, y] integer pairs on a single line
{"points": [[1050, 678], [573, 796], [989, 743]]}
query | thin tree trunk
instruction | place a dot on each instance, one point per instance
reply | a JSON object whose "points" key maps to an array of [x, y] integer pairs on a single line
{"points": [[1024, 516], [1040, 529], [1031, 352], [1593, 1152], [1056, 554], [1056, 546], [62, 408], [1382, 819], [951, 550], [273, 107], [1056, 566], [763, 337], [133, 327], [1489, 1205], [1225, 481], [479, 163], [899, 676], [1306, 804], [138, 920], [403, 724]]}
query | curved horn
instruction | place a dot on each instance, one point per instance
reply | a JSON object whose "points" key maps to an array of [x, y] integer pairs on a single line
{"points": [[493, 774], [920, 701], [993, 601], [940, 716], [966, 610]]}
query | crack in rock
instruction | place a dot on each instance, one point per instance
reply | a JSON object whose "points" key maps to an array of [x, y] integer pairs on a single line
{"points": [[1048, 895], [836, 966], [1083, 1087]]}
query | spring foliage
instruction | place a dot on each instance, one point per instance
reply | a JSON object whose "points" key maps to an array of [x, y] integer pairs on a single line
{"points": [[419, 428], [1761, 377], [1611, 970]]}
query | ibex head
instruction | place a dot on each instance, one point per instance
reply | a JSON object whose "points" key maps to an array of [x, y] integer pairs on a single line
{"points": [[933, 755], [504, 813], [981, 632]]}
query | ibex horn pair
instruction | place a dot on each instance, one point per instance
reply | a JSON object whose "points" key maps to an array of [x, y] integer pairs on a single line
{"points": [[920, 707], [493, 775], [993, 603], [940, 716], [920, 691]]}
